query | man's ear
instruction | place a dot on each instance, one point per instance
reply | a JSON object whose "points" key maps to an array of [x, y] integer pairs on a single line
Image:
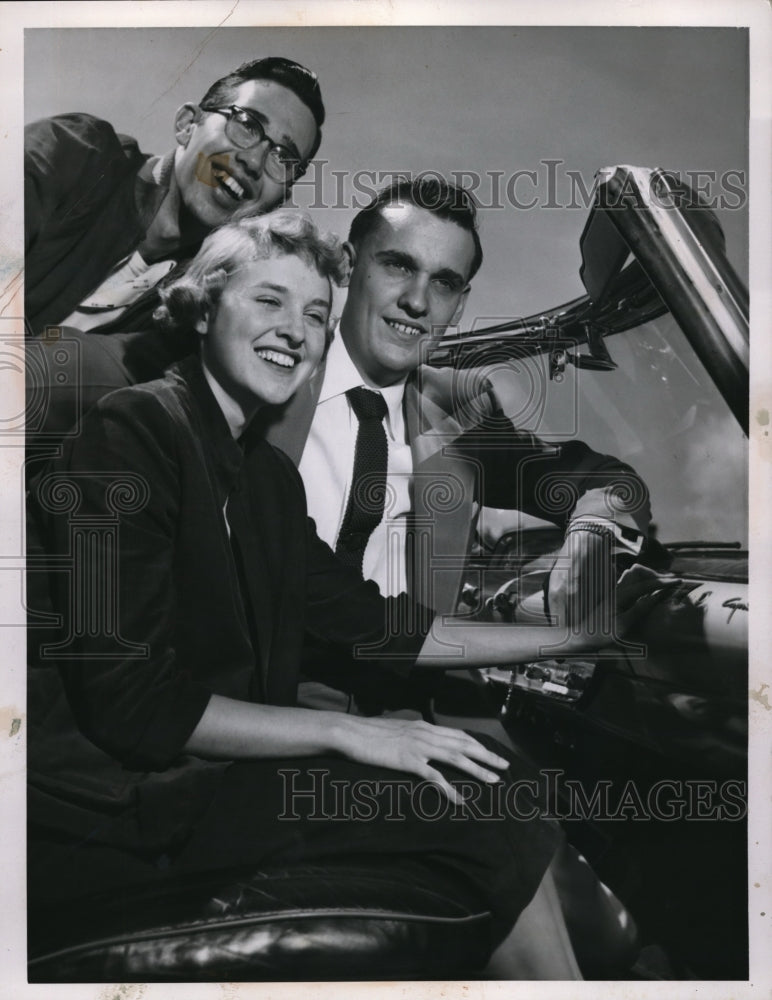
{"points": [[456, 318], [202, 324], [351, 256], [185, 120]]}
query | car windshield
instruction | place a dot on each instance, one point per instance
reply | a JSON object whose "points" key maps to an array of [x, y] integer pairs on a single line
{"points": [[659, 411]]}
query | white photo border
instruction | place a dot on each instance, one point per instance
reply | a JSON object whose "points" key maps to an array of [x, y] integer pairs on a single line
{"points": [[754, 14]]}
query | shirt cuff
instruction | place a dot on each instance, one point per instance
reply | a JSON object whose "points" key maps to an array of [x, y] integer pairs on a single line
{"points": [[606, 503]]}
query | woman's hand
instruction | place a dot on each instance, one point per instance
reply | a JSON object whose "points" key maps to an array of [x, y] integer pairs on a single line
{"points": [[242, 730], [416, 747]]}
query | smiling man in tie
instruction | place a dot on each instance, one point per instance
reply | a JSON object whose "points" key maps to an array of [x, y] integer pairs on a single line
{"points": [[372, 481], [410, 278], [396, 458]]}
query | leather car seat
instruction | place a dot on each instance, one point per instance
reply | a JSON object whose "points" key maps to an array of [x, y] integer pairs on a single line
{"points": [[322, 922]]}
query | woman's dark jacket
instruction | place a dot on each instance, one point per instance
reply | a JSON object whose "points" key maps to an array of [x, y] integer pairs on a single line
{"points": [[165, 600]]}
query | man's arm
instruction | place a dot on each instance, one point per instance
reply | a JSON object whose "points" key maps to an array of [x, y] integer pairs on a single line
{"points": [[64, 164], [556, 482], [600, 501], [81, 214]]}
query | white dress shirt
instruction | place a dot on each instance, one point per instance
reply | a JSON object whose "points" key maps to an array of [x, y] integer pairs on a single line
{"points": [[128, 280], [327, 465]]}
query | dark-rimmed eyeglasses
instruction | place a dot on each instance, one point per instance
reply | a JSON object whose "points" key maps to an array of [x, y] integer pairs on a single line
{"points": [[245, 130]]}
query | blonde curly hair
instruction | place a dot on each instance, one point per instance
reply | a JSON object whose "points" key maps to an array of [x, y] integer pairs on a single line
{"points": [[191, 297]]}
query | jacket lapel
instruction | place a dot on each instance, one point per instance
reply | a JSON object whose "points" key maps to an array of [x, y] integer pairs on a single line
{"points": [[444, 485], [443, 497], [254, 574], [430, 422]]}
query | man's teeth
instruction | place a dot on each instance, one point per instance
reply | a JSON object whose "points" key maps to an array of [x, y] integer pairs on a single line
{"points": [[413, 331], [229, 183], [277, 358]]}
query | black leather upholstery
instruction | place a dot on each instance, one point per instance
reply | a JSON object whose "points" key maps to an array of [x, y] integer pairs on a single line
{"points": [[328, 922]]}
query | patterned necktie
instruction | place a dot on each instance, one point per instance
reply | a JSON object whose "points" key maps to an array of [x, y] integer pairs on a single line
{"points": [[367, 496]]}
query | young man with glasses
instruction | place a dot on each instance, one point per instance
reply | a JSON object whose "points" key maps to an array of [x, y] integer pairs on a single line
{"points": [[105, 223]]}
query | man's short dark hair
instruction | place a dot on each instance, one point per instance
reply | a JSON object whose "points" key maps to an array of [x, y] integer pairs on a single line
{"points": [[431, 192], [301, 81]]}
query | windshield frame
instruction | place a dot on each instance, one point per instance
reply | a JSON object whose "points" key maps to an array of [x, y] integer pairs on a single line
{"points": [[678, 265]]}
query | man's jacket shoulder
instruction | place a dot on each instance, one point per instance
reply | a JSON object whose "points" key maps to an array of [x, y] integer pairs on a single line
{"points": [[463, 394], [78, 132]]}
